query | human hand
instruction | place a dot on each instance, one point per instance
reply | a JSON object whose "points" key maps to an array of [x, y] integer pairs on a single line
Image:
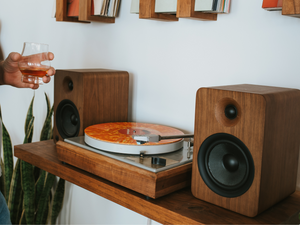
{"points": [[11, 74]]}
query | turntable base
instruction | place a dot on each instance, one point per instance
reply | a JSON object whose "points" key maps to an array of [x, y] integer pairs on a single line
{"points": [[151, 183]]}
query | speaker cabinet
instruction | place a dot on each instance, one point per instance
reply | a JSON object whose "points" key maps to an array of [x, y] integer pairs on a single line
{"points": [[246, 146], [86, 97]]}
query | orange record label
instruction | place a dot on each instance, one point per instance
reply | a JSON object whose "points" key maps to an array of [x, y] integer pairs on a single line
{"points": [[121, 132]]}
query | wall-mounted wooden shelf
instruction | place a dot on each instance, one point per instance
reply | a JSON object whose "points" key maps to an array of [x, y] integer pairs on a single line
{"points": [[291, 8], [147, 11], [179, 207], [184, 9], [84, 13], [62, 12]]}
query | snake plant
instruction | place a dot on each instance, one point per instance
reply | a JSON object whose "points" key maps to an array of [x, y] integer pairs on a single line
{"points": [[26, 188]]}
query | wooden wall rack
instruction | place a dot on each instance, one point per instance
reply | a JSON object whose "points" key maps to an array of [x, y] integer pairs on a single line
{"points": [[185, 9], [84, 13], [291, 8], [147, 11]]}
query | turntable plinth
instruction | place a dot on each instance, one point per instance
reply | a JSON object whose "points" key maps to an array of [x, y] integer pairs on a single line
{"points": [[146, 182]]}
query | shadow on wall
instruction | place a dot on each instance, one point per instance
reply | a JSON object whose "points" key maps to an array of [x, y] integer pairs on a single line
{"points": [[1, 52]]}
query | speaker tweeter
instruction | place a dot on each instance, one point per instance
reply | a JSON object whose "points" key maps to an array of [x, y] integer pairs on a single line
{"points": [[228, 112]]}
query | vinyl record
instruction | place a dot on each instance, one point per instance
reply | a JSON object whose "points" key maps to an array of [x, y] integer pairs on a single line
{"points": [[117, 137]]}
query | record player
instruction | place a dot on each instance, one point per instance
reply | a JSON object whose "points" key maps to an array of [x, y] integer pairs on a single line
{"points": [[151, 159]]}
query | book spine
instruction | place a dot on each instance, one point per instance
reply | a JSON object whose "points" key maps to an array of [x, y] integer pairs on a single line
{"points": [[272, 5]]}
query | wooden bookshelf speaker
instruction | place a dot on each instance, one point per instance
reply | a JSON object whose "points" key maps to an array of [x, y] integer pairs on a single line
{"points": [[246, 146], [86, 97]]}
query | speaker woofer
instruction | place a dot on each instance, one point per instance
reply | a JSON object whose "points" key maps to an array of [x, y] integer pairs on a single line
{"points": [[226, 165], [67, 119]]}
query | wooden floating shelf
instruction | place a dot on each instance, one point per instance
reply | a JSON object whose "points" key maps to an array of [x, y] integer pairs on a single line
{"points": [[186, 9], [291, 8], [179, 207], [147, 11], [84, 13], [62, 11]]}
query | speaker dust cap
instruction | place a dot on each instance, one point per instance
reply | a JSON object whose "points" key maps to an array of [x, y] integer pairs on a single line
{"points": [[226, 165]]}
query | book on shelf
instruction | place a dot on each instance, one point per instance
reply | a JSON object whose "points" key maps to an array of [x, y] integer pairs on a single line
{"points": [[212, 6], [107, 8], [97, 7], [272, 5], [73, 8], [163, 6], [53, 14], [135, 7], [204, 5]]}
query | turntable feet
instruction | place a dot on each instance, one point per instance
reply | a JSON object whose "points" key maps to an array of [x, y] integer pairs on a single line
{"points": [[158, 161]]}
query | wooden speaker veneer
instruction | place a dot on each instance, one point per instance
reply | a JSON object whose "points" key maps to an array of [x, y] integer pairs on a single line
{"points": [[99, 95], [268, 123]]}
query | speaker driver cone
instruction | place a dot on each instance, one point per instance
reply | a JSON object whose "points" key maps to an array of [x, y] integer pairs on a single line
{"points": [[67, 119], [226, 165]]}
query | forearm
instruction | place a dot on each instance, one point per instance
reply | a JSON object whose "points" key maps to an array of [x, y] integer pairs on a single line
{"points": [[1, 73]]}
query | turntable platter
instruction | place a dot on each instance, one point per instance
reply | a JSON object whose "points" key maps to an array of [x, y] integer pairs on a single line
{"points": [[117, 137]]}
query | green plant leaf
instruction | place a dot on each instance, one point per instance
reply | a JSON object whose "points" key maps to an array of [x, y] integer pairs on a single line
{"points": [[58, 200], [36, 173], [42, 205], [48, 104], [29, 115], [46, 132], [8, 160], [28, 186], [29, 131], [22, 218], [19, 215], [2, 178], [47, 212], [39, 186], [15, 194]]}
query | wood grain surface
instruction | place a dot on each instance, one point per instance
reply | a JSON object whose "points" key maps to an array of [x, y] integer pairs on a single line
{"points": [[291, 8], [268, 124], [179, 207], [147, 11], [62, 11], [100, 95], [85, 7], [186, 9], [146, 182]]}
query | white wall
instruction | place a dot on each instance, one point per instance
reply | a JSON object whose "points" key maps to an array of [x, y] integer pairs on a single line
{"points": [[167, 61]]}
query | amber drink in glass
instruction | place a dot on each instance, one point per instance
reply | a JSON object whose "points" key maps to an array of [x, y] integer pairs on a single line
{"points": [[35, 62]]}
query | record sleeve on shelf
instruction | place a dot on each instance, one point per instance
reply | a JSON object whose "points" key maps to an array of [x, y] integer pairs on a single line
{"points": [[73, 8], [107, 8], [272, 5], [212, 6]]}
